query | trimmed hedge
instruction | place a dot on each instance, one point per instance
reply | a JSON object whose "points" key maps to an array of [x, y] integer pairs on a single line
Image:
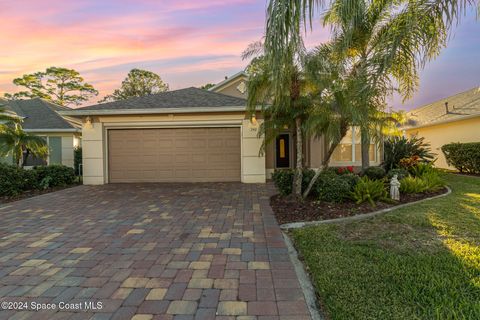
{"points": [[283, 180], [465, 157], [374, 173], [14, 181]]}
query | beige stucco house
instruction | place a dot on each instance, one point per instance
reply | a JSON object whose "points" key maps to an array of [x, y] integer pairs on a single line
{"points": [[452, 119], [42, 118], [191, 135]]}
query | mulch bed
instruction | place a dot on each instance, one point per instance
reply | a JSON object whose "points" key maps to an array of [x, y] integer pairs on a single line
{"points": [[288, 210], [33, 193]]}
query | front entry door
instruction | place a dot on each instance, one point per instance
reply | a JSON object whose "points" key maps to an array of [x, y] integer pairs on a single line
{"points": [[283, 151]]}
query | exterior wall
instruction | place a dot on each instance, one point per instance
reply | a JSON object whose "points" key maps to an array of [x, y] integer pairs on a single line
{"points": [[438, 135], [94, 140], [230, 89]]}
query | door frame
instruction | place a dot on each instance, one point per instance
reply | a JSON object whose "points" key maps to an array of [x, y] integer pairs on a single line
{"points": [[175, 125], [290, 150]]}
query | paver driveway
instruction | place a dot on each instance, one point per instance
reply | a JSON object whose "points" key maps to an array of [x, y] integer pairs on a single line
{"points": [[148, 251]]}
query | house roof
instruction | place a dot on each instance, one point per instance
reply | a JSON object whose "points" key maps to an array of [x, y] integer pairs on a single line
{"points": [[183, 98], [241, 74], [39, 114], [463, 105]]}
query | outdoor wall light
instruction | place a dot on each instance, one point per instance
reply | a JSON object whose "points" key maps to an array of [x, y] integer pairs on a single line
{"points": [[88, 123], [253, 120]]}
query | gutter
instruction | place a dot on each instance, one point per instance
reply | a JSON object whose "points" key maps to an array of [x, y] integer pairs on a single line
{"points": [[441, 122], [80, 112]]}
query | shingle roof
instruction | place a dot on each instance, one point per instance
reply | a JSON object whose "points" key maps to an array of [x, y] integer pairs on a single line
{"points": [[39, 114], [183, 98], [462, 105]]}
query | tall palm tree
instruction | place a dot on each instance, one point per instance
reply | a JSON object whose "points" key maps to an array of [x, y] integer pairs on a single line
{"points": [[383, 42], [284, 107], [18, 143]]}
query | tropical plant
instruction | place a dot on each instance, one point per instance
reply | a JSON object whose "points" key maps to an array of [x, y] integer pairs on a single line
{"points": [[59, 85], [374, 173], [7, 117], [334, 189], [284, 107], [465, 157], [138, 83], [400, 173], [428, 181], [16, 142], [422, 168], [382, 43], [398, 148], [367, 190]]}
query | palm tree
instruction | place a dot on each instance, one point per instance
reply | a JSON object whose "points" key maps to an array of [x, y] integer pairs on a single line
{"points": [[18, 143], [381, 43], [6, 117], [284, 108]]}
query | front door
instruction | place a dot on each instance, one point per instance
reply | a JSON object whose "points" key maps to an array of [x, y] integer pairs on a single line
{"points": [[283, 151]]}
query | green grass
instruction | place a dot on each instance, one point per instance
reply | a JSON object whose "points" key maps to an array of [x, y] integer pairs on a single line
{"points": [[419, 262]]}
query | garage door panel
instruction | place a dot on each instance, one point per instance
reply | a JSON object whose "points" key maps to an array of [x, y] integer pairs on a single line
{"points": [[174, 155]]}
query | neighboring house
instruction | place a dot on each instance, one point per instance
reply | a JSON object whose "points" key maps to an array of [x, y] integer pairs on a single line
{"points": [[42, 118], [453, 119], [189, 135]]}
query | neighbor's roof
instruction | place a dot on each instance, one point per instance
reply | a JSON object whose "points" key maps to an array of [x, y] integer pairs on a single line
{"points": [[183, 98], [39, 114], [463, 105], [241, 74]]}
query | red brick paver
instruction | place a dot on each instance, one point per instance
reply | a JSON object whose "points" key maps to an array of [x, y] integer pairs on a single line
{"points": [[148, 251]]}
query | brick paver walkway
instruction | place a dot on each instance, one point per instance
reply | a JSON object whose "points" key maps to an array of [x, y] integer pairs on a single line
{"points": [[147, 251]]}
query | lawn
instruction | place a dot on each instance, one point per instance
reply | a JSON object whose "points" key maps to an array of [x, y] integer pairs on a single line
{"points": [[419, 262]]}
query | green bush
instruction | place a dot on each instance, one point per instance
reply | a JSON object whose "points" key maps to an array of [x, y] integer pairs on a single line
{"points": [[465, 157], [77, 160], [351, 178], [422, 168], [333, 188], [283, 180], [428, 181], [401, 173], [55, 175], [374, 173], [433, 180], [398, 148], [369, 190], [14, 181]]}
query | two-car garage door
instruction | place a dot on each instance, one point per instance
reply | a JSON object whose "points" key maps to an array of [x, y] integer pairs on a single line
{"points": [[174, 155]]}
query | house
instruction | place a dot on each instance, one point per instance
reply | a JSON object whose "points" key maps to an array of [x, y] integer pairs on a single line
{"points": [[190, 135], [42, 118], [452, 119]]}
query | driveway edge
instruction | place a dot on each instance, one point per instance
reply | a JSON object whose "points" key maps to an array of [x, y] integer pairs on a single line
{"points": [[297, 225], [304, 280]]}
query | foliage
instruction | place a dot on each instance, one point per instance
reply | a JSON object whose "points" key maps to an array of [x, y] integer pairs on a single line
{"points": [[343, 170], [18, 143], [333, 188], [421, 169], [465, 157], [77, 160], [207, 86], [398, 148], [369, 190], [400, 173], [59, 85], [283, 179], [427, 179], [413, 185], [409, 163], [138, 83], [418, 262], [6, 117], [374, 173], [55, 175], [14, 180]]}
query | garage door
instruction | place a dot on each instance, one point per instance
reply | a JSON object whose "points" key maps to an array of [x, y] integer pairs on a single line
{"points": [[174, 155]]}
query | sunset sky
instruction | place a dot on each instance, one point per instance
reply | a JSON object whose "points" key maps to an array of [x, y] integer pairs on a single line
{"points": [[189, 43]]}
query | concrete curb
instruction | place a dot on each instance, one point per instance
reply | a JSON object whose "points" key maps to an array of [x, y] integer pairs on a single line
{"points": [[304, 279], [297, 225]]}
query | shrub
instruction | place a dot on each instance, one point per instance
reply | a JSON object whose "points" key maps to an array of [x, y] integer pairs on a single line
{"points": [[398, 148], [343, 170], [412, 185], [422, 168], [77, 160], [369, 190], [351, 179], [433, 180], [465, 157], [55, 175], [333, 188], [283, 180], [374, 173], [401, 173], [14, 181]]}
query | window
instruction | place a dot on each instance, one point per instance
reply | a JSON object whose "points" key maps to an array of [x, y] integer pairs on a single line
{"points": [[55, 150], [350, 148]]}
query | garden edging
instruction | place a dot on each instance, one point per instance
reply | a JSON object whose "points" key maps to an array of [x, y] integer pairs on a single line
{"points": [[297, 225]]}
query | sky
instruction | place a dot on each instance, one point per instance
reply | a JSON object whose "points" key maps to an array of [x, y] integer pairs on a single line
{"points": [[188, 43]]}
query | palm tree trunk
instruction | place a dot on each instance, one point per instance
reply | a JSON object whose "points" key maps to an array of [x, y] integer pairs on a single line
{"points": [[297, 181], [365, 148]]}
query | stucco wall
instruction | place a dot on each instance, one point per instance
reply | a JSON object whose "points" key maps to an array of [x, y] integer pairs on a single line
{"points": [[94, 140], [439, 135]]}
